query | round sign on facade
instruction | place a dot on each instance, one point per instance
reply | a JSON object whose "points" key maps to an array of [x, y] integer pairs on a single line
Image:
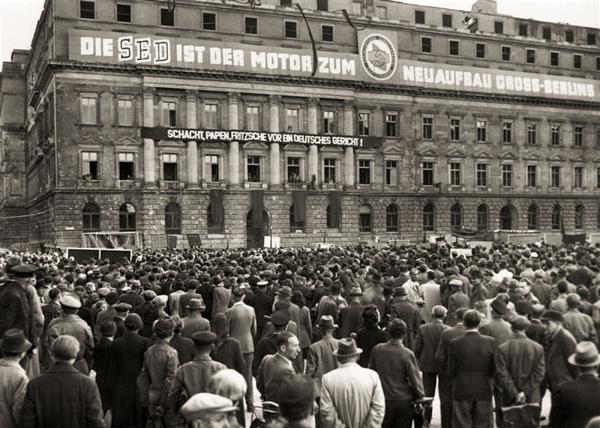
{"points": [[378, 56]]}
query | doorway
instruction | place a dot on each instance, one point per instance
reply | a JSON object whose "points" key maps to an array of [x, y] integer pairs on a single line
{"points": [[255, 236]]}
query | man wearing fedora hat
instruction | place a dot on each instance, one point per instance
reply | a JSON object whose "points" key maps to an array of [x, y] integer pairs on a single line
{"points": [[320, 354], [575, 402], [404, 309], [351, 396], [194, 321], [350, 317], [496, 327], [13, 379]]}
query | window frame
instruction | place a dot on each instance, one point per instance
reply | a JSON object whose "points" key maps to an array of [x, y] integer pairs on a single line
{"points": [[173, 224], [87, 162], [88, 2], [532, 133], [418, 15], [120, 117], [117, 13], [481, 130], [555, 137], [578, 177], [167, 158], [364, 126], [392, 218], [502, 51], [127, 216], [555, 176], [531, 176], [577, 61], [428, 223], [249, 126], [323, 26], [423, 45], [480, 50], [482, 170], [507, 131], [166, 117], [530, 55], [246, 18], [95, 114], [391, 125], [330, 164], [328, 123], [162, 17], [389, 168], [425, 126], [91, 221], [288, 177], [204, 21], [498, 27], [578, 135], [364, 171], [554, 59], [259, 164], [450, 42], [208, 113], [455, 174], [287, 22], [430, 170], [506, 174], [363, 225], [133, 162]]}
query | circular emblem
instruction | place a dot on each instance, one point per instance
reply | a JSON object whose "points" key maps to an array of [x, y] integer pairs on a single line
{"points": [[378, 56]]}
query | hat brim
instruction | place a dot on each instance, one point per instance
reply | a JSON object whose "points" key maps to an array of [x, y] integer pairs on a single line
{"points": [[353, 354], [26, 346], [327, 326], [594, 363]]}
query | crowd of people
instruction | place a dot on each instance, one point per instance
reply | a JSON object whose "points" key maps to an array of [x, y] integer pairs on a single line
{"points": [[340, 337]]}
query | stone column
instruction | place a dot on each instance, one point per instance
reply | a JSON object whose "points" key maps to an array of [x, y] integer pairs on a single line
{"points": [[192, 146], [149, 152], [348, 151], [274, 176], [313, 150], [234, 146]]}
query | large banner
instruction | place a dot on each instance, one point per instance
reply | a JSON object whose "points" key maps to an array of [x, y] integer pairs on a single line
{"points": [[377, 61]]}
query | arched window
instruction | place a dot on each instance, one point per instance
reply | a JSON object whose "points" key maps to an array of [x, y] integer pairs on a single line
{"points": [[91, 217], [364, 219], [456, 217], [556, 217], [173, 219], [391, 218], [532, 217], [507, 218], [429, 218], [579, 213], [295, 225], [127, 218], [482, 217]]}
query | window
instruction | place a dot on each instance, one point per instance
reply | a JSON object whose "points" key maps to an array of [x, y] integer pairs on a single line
{"points": [[127, 218], [296, 224], [446, 20], [429, 218], [364, 219], [578, 136], [169, 161], [523, 30], [126, 166], [391, 218], [419, 17], [577, 61], [91, 217], [556, 217], [498, 27], [253, 169], [87, 9], [598, 63], [482, 217], [531, 175], [125, 112], [89, 165], [507, 132], [454, 129], [555, 176], [88, 110], [123, 13], [455, 174], [214, 219], [328, 122], [364, 171], [578, 177], [211, 116], [173, 219], [167, 18], [546, 33], [292, 121], [425, 44], [211, 163], [532, 217], [554, 59], [391, 173], [209, 21], [169, 113], [290, 29], [555, 135], [579, 215], [569, 36], [507, 171], [322, 5], [453, 47], [252, 118], [530, 56], [250, 25], [598, 177], [391, 123], [480, 50], [532, 133], [481, 131], [287, 3], [293, 170], [332, 222], [363, 123], [329, 170], [327, 33], [427, 173], [482, 175], [506, 218], [591, 39], [427, 128], [456, 217], [506, 53]]}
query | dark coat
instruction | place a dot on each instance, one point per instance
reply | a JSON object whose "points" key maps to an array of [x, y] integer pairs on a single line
{"points": [[575, 402], [102, 367], [366, 339], [427, 344], [263, 305], [133, 298], [184, 347], [559, 348], [228, 352], [350, 320], [62, 398], [472, 367], [536, 332], [411, 315], [127, 358], [443, 350]]}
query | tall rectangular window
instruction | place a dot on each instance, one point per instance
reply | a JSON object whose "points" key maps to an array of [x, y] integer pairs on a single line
{"points": [[252, 118], [364, 171], [455, 174], [329, 170], [554, 59], [427, 173], [391, 124], [123, 13], [506, 51], [546, 33], [446, 20], [89, 165], [211, 118], [363, 123], [87, 9], [480, 50], [250, 25], [427, 128], [498, 27], [530, 56], [419, 17], [577, 61], [169, 161], [125, 112], [126, 166], [88, 110], [569, 36], [555, 135], [507, 175], [323, 5], [578, 177], [453, 47], [481, 131], [169, 113], [555, 176], [293, 170], [328, 122], [531, 175], [292, 120], [253, 163], [523, 30], [426, 44], [290, 29], [391, 173], [578, 136], [211, 165], [454, 129], [209, 21], [507, 128], [532, 133], [591, 38], [167, 18], [598, 177], [482, 175], [327, 33]]}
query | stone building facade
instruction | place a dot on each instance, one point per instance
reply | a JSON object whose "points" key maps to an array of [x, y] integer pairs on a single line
{"points": [[415, 121]]}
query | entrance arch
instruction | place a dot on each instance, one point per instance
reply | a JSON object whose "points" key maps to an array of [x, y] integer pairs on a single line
{"points": [[508, 216], [255, 235]]}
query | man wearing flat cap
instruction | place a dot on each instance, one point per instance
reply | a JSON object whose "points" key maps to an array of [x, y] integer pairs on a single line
{"points": [[579, 324], [458, 299], [496, 327], [13, 346], [320, 358], [205, 410]]}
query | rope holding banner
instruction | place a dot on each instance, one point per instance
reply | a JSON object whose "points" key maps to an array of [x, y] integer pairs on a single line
{"points": [[352, 24], [312, 41]]}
